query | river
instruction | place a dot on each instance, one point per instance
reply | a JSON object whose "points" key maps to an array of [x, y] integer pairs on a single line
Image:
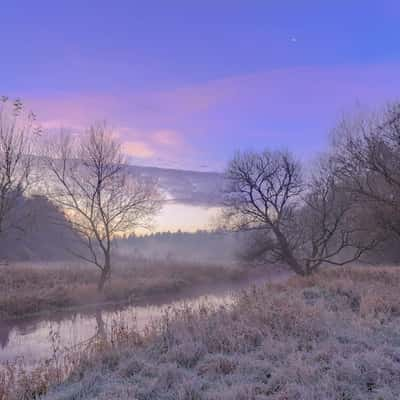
{"points": [[30, 338]]}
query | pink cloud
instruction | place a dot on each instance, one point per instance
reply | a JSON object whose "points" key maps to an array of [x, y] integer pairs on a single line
{"points": [[137, 149], [188, 123], [165, 148], [167, 138], [297, 91]]}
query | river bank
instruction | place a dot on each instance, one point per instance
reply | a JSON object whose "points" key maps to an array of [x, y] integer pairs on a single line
{"points": [[37, 289], [31, 338]]}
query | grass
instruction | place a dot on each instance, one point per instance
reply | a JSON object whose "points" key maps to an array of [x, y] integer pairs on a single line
{"points": [[27, 289], [332, 336]]}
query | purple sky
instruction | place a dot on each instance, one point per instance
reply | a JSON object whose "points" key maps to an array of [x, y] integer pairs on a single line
{"points": [[186, 83]]}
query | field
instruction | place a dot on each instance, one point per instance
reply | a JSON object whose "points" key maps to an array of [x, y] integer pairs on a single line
{"points": [[333, 336], [27, 289]]}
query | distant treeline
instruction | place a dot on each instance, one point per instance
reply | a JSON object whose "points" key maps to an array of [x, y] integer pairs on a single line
{"points": [[39, 231], [204, 246]]}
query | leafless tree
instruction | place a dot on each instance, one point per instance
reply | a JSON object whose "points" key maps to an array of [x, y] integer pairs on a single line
{"points": [[331, 223], [91, 183], [303, 224], [367, 154], [18, 130]]}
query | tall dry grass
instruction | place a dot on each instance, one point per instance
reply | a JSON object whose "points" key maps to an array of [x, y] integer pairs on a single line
{"points": [[332, 336], [27, 289]]}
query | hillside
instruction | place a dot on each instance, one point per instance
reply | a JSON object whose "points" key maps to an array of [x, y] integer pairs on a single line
{"points": [[189, 187]]}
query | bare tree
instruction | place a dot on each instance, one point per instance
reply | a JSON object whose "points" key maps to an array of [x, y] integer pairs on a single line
{"points": [[262, 193], [18, 129], [331, 224], [367, 154], [302, 224], [91, 183]]}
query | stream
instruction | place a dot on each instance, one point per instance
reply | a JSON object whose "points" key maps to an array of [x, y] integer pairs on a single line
{"points": [[30, 338]]}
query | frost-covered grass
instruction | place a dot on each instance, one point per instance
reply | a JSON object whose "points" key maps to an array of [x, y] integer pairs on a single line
{"points": [[333, 336], [31, 288]]}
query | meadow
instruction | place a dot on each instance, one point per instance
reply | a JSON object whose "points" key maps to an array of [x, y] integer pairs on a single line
{"points": [[334, 335], [33, 288]]}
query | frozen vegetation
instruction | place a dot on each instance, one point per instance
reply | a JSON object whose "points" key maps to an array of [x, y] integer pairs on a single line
{"points": [[334, 335], [32, 288]]}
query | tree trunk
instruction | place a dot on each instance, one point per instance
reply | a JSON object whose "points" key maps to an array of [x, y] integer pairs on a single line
{"points": [[105, 273], [287, 254]]}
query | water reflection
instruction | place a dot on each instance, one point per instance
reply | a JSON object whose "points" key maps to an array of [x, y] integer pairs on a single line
{"points": [[101, 326], [4, 335], [31, 338]]}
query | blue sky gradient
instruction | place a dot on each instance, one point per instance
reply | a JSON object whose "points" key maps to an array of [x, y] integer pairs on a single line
{"points": [[186, 83]]}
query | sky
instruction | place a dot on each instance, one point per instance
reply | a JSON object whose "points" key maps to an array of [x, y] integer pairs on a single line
{"points": [[185, 84]]}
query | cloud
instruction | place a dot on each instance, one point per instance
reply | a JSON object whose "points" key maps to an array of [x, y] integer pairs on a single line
{"points": [[137, 149], [168, 138], [284, 90], [162, 147], [204, 123]]}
